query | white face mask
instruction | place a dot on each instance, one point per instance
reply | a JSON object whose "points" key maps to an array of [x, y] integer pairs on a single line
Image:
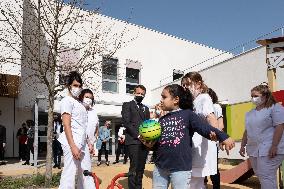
{"points": [[256, 100], [87, 101], [158, 112], [75, 91]]}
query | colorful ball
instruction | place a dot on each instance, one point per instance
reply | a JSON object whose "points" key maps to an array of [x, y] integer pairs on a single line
{"points": [[150, 130]]}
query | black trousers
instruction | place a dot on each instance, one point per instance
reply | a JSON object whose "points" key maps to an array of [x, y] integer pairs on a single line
{"points": [[103, 148], [215, 178], [138, 155], [22, 151], [30, 148], [120, 148], [57, 152], [2, 151]]}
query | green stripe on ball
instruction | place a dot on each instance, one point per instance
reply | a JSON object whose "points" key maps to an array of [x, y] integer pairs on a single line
{"points": [[150, 130]]}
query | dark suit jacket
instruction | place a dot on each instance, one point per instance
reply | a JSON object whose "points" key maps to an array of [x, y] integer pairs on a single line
{"points": [[132, 117], [2, 134]]}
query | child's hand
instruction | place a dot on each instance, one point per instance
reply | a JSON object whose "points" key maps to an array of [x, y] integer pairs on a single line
{"points": [[148, 144], [229, 143], [213, 136], [242, 151]]}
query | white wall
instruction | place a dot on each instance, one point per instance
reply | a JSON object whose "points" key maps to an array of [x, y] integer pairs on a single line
{"points": [[12, 118], [10, 60], [7, 120], [158, 53], [233, 79]]}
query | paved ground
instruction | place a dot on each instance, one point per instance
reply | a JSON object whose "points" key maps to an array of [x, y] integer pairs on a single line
{"points": [[106, 173]]}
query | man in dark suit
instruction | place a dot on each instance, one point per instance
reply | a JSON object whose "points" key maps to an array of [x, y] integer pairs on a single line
{"points": [[133, 114], [2, 142]]}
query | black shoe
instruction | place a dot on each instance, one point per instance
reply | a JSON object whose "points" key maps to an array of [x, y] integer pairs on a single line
{"points": [[54, 166], [125, 161], [99, 163], [32, 164], [26, 163], [107, 163], [115, 162], [58, 166]]}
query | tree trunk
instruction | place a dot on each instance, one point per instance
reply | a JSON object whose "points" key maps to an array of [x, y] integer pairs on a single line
{"points": [[49, 156]]}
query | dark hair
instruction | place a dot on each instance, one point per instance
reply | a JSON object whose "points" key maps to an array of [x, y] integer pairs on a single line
{"points": [[83, 92], [141, 87], [213, 95], [264, 90], [72, 76], [196, 77], [185, 96]]}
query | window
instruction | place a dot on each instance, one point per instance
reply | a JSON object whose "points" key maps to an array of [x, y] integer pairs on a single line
{"points": [[109, 74], [132, 75], [177, 74], [132, 79]]}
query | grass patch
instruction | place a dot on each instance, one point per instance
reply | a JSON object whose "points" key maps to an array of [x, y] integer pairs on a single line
{"points": [[35, 181]]}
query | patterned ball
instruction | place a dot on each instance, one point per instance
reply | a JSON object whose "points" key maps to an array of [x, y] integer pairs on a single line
{"points": [[150, 130]]}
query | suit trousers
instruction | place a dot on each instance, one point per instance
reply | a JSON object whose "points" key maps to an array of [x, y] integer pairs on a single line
{"points": [[121, 149], [57, 152], [73, 166], [137, 155]]}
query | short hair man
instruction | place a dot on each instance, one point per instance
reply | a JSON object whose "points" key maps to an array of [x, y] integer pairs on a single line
{"points": [[133, 114]]}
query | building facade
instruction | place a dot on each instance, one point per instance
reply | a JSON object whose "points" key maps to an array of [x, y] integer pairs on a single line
{"points": [[148, 57]]}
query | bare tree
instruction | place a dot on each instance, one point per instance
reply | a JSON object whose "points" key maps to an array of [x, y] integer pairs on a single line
{"points": [[49, 38]]}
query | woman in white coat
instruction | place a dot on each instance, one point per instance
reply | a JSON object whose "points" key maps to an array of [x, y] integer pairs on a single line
{"points": [[87, 98], [262, 139], [204, 158], [73, 139]]}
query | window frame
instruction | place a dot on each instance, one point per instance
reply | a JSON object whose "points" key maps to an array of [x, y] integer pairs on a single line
{"points": [[110, 80], [131, 83]]}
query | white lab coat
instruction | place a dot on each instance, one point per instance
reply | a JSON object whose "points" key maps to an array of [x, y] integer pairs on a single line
{"points": [[79, 117]]}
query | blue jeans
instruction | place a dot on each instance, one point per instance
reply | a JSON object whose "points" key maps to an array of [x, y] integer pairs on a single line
{"points": [[162, 179]]}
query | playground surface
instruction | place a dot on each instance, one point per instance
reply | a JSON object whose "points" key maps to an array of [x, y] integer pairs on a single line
{"points": [[106, 173]]}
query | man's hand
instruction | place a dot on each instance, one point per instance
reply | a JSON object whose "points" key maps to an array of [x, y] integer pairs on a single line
{"points": [[76, 152], [242, 151], [229, 143], [272, 151], [148, 144], [4, 144]]}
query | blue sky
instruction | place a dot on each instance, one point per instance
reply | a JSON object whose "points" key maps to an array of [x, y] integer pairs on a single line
{"points": [[222, 24]]}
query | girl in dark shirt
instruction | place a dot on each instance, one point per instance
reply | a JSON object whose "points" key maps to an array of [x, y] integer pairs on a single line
{"points": [[173, 149]]}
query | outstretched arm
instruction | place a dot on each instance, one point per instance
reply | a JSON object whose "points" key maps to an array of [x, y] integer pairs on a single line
{"points": [[206, 130]]}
